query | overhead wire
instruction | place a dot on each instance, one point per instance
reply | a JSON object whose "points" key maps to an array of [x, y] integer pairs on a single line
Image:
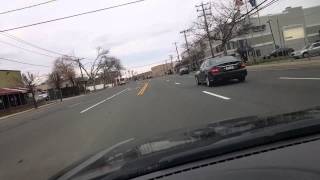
{"points": [[27, 7], [21, 62], [28, 50], [72, 16]]}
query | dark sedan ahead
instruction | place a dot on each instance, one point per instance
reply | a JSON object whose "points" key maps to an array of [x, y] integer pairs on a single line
{"points": [[183, 70], [218, 69]]}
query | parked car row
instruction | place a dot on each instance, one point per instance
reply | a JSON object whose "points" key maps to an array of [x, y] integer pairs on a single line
{"points": [[279, 53], [308, 51]]}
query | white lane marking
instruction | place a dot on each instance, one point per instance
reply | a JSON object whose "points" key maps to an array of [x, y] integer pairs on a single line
{"points": [[177, 83], [91, 160], [85, 110], [168, 80], [295, 78], [216, 95]]}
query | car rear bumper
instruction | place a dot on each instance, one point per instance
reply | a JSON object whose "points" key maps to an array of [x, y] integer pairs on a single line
{"points": [[184, 72], [235, 74]]}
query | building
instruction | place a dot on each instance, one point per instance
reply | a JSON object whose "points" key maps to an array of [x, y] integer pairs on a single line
{"points": [[12, 91], [162, 69], [294, 28], [10, 79], [144, 75]]}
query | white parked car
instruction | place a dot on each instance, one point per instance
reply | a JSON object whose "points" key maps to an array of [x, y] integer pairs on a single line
{"points": [[309, 50], [43, 96]]}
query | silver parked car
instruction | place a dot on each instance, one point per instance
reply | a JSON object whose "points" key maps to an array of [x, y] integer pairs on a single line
{"points": [[309, 50]]}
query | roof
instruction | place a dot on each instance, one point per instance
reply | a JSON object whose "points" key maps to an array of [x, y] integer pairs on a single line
{"points": [[10, 70], [7, 91]]}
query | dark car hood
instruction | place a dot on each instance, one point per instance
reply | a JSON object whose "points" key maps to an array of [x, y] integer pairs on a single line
{"points": [[132, 155]]}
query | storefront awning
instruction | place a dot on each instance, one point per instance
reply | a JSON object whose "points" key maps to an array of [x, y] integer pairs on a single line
{"points": [[8, 91]]}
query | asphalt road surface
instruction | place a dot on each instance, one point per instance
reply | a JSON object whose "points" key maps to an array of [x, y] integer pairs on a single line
{"points": [[36, 144]]}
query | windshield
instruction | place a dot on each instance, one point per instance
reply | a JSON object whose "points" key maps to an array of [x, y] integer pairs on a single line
{"points": [[80, 78]]}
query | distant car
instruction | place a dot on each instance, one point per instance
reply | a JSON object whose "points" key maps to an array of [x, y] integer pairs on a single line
{"points": [[43, 96], [309, 50], [121, 81], [281, 52], [218, 69], [183, 70]]}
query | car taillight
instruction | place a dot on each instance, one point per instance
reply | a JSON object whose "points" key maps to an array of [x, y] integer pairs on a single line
{"points": [[215, 70], [242, 65]]}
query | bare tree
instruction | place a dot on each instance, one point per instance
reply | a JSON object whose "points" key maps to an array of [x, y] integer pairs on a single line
{"points": [[226, 23], [111, 66], [30, 80], [96, 66], [65, 66], [56, 79], [223, 23]]}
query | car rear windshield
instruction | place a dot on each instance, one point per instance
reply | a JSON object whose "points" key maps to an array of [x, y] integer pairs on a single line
{"points": [[222, 60]]}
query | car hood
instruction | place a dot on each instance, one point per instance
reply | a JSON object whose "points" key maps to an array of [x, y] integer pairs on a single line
{"points": [[133, 155]]}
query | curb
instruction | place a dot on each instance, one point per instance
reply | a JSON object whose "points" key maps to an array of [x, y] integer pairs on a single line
{"points": [[15, 114]]}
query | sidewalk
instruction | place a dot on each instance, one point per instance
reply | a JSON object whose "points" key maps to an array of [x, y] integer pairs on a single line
{"points": [[288, 63], [13, 112]]}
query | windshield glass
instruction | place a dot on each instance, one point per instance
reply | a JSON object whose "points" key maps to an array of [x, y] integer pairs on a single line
{"points": [[118, 84]]}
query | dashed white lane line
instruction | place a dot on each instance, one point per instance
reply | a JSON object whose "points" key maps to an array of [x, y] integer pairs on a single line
{"points": [[216, 95], [296, 78], [168, 80], [97, 104], [177, 83]]}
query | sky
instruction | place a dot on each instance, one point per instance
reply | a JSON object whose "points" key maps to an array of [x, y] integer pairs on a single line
{"points": [[141, 35]]}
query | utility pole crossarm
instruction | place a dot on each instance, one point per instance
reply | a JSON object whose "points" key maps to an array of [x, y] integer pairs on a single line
{"points": [[203, 8]]}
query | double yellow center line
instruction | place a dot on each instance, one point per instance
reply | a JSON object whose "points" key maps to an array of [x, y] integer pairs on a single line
{"points": [[143, 89]]}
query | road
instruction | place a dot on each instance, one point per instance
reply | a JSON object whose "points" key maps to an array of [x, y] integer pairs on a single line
{"points": [[37, 144]]}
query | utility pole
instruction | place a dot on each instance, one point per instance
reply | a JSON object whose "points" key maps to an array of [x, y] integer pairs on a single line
{"points": [[171, 57], [204, 9], [274, 42], [177, 51], [82, 79], [166, 67], [184, 32]]}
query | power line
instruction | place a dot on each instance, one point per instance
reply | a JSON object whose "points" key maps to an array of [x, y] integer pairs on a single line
{"points": [[28, 50], [30, 44], [27, 7], [253, 9], [71, 16], [36, 46], [20, 62]]}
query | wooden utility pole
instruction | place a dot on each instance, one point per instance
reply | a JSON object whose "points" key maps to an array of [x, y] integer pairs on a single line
{"points": [[204, 8], [82, 78], [274, 41], [184, 32], [178, 55]]}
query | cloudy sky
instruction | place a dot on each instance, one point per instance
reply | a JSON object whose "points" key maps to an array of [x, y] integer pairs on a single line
{"points": [[140, 35]]}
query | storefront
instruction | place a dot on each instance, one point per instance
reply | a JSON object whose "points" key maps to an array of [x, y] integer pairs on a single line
{"points": [[12, 98]]}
